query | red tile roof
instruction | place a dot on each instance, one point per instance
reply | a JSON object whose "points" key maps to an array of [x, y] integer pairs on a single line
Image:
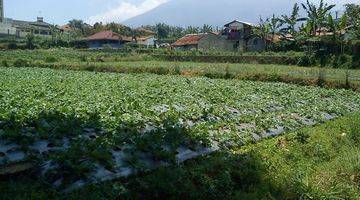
{"points": [[108, 35], [190, 39]]}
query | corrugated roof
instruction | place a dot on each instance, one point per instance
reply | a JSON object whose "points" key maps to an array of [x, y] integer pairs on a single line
{"points": [[189, 39], [144, 38], [242, 22], [108, 35], [31, 25]]}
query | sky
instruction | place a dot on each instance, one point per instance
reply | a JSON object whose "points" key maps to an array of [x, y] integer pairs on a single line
{"points": [[91, 11]]}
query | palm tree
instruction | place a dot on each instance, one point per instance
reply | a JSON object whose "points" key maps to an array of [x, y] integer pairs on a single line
{"points": [[317, 15], [206, 28], [291, 21], [192, 30], [78, 25]]}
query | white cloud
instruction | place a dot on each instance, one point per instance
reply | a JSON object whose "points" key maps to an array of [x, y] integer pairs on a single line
{"points": [[125, 10]]}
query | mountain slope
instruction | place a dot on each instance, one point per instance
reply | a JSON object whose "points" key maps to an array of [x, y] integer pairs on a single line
{"points": [[218, 12], [213, 12]]}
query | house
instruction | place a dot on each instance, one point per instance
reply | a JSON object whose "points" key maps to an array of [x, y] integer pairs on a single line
{"points": [[148, 41], [21, 28], [106, 39], [236, 36], [66, 28], [241, 34], [189, 42]]}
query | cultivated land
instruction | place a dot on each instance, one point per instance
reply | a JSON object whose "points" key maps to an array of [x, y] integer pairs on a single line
{"points": [[71, 129], [127, 62]]}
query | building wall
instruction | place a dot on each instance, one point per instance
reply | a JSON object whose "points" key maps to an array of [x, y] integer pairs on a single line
{"points": [[187, 47], [6, 28], [256, 45], [101, 44], [1, 11], [212, 42], [148, 42]]}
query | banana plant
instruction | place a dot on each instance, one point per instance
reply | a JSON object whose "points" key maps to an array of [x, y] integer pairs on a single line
{"points": [[263, 31], [336, 27], [317, 15], [291, 21]]}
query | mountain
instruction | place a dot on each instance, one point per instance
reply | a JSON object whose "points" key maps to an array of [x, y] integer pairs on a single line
{"points": [[214, 12]]}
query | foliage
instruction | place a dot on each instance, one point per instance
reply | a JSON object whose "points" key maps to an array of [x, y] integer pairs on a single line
{"points": [[287, 167], [291, 21], [30, 41], [353, 14], [317, 15]]}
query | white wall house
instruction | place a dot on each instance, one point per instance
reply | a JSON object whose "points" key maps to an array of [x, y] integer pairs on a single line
{"points": [[148, 41], [22, 28]]}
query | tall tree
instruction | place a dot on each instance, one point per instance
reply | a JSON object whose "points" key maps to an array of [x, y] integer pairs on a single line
{"points": [[291, 21], [317, 15], [192, 30], [353, 14], [337, 26], [206, 28], [162, 30], [77, 25], [263, 30], [274, 25]]}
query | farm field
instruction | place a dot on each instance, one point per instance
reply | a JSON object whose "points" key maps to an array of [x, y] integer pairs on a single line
{"points": [[313, 163], [127, 62], [86, 127]]}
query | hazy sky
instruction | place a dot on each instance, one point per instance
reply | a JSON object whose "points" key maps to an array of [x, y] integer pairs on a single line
{"points": [[61, 11]]}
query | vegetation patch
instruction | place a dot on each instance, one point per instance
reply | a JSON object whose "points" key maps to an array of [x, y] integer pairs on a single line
{"points": [[86, 127]]}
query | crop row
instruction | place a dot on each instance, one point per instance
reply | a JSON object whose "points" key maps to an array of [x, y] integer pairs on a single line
{"points": [[80, 126]]}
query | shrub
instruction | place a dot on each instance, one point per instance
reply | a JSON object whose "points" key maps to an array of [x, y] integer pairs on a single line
{"points": [[4, 63], [342, 61], [356, 61], [12, 45], [50, 59], [83, 58], [306, 61], [354, 134], [21, 63]]}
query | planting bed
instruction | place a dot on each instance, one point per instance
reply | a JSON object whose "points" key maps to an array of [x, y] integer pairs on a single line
{"points": [[74, 128]]}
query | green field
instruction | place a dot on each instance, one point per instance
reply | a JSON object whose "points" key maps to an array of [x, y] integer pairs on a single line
{"points": [[67, 122], [127, 62], [80, 121]]}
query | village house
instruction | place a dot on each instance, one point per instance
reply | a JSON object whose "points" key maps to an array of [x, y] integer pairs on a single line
{"points": [[106, 39], [147, 41], [20, 28], [236, 36]]}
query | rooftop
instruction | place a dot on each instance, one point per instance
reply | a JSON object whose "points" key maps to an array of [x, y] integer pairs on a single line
{"points": [[242, 22], [108, 35], [189, 39]]}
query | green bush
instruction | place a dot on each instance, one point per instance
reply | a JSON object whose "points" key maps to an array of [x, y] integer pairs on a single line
{"points": [[21, 63], [4, 63], [12, 45], [356, 61], [306, 61], [342, 61], [50, 59]]}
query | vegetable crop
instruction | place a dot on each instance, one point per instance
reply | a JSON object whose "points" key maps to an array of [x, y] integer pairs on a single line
{"points": [[76, 122]]}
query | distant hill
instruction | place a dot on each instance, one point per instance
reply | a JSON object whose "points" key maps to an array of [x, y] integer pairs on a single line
{"points": [[214, 12]]}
